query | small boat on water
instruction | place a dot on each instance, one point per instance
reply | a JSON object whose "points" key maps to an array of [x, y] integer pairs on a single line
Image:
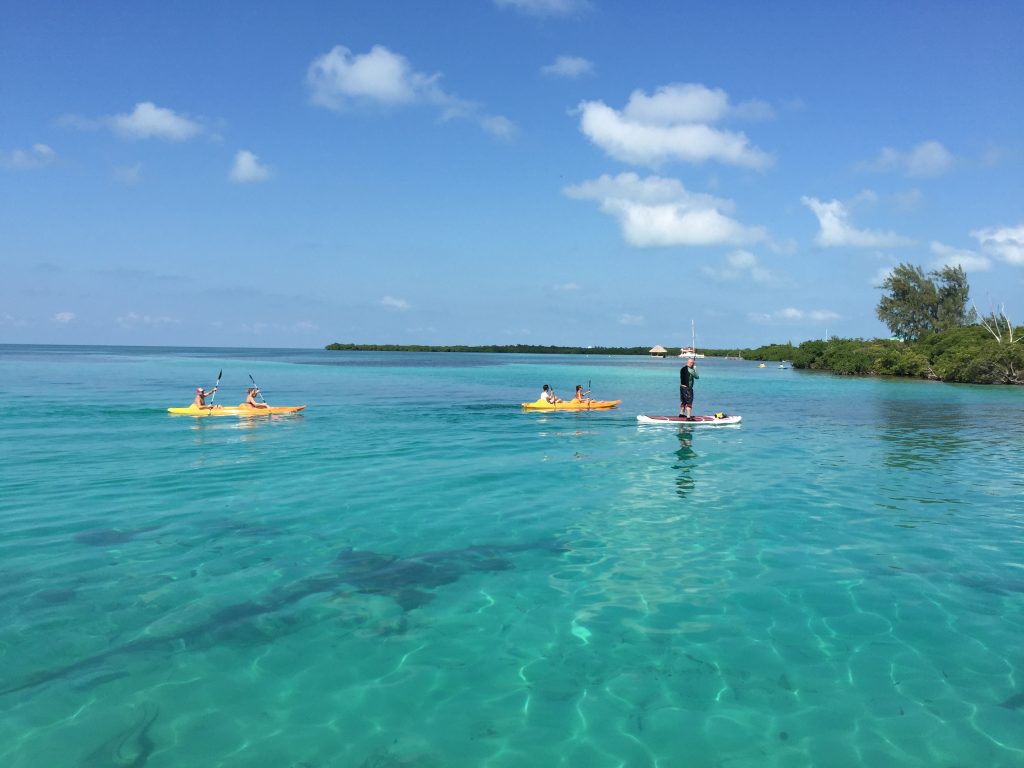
{"points": [[571, 405], [236, 410], [691, 351]]}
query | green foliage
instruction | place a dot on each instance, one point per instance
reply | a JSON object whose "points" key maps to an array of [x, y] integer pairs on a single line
{"points": [[535, 349], [966, 355], [972, 355], [771, 352], [522, 349], [919, 304], [894, 361]]}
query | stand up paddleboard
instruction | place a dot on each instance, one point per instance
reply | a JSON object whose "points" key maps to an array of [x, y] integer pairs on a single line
{"points": [[696, 421]]}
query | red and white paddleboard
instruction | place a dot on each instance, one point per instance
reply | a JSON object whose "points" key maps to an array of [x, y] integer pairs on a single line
{"points": [[695, 421]]}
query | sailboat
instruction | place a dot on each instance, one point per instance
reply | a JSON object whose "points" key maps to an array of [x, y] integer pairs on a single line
{"points": [[691, 351]]}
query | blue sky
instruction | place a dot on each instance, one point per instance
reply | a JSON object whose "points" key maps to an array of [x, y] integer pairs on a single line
{"points": [[500, 171]]}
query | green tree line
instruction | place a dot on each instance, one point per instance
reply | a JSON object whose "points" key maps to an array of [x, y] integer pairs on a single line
{"points": [[936, 335]]}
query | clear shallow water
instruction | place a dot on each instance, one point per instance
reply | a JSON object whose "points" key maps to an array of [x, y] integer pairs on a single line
{"points": [[416, 573]]}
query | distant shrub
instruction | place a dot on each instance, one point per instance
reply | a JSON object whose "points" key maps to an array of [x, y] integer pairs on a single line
{"points": [[902, 362]]}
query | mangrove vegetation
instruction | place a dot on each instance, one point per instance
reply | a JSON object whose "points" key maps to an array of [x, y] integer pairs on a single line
{"points": [[936, 335]]}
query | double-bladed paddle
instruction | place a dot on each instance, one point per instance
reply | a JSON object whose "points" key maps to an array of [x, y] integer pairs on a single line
{"points": [[259, 391]]}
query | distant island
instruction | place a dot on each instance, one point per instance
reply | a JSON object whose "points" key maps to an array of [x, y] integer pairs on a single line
{"points": [[935, 336], [514, 349]]}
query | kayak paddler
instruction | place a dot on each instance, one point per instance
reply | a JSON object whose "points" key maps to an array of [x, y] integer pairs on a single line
{"points": [[201, 395], [250, 398]]}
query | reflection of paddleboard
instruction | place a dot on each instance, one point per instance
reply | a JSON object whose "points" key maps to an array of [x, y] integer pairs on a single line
{"points": [[696, 421]]}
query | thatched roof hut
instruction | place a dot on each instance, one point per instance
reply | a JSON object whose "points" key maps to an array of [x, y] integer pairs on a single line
{"points": [[658, 351]]}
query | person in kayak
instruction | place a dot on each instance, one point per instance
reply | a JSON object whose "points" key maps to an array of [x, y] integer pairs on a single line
{"points": [[201, 395], [250, 398], [548, 395], [687, 375], [581, 396]]}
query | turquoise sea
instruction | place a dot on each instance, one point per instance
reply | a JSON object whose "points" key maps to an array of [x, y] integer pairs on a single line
{"points": [[414, 572]]}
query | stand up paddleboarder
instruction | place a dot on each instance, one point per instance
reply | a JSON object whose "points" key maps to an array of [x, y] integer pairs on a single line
{"points": [[687, 375]]}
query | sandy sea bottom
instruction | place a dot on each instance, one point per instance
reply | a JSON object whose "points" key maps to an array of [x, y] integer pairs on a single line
{"points": [[414, 572]]}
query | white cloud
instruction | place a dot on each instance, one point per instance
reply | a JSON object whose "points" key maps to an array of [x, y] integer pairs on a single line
{"points": [[129, 175], [247, 168], [1006, 243], [907, 201], [545, 7], [340, 80], [790, 315], [568, 66], [969, 261], [739, 265], [836, 230], [927, 159], [567, 287], [135, 320], [390, 302], [627, 319], [673, 124], [498, 126], [148, 121], [38, 156], [659, 211], [64, 317]]}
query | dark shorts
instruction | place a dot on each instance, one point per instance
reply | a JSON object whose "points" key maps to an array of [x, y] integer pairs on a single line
{"points": [[685, 395]]}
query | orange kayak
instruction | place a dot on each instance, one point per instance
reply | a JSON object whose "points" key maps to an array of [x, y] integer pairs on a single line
{"points": [[236, 410], [571, 405]]}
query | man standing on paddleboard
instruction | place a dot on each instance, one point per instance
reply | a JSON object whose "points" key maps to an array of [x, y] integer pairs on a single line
{"points": [[687, 375]]}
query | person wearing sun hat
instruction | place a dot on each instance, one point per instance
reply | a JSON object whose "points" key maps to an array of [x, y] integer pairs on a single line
{"points": [[201, 395]]}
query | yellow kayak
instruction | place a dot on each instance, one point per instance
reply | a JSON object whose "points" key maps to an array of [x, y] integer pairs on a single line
{"points": [[236, 410], [571, 405]]}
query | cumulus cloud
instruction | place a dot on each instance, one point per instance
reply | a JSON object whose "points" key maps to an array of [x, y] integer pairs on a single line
{"points": [[137, 320], [247, 168], [739, 265], [38, 156], [340, 80], [568, 66], [927, 159], [1006, 243], [63, 318], [498, 126], [793, 315], [675, 123], [545, 7], [837, 231], [129, 175], [146, 121], [627, 319], [658, 211], [969, 261], [390, 302]]}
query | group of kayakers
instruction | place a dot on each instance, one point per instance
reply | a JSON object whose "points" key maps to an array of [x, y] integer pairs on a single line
{"points": [[547, 394], [687, 376], [250, 398]]}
